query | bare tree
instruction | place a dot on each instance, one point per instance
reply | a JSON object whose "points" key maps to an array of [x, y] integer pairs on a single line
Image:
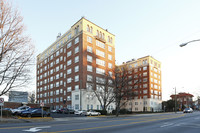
{"points": [[16, 51], [117, 88], [31, 97], [123, 87], [104, 91]]}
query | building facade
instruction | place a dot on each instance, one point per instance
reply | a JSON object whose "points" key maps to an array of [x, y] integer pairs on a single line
{"points": [[184, 100], [67, 69], [146, 84], [18, 96]]}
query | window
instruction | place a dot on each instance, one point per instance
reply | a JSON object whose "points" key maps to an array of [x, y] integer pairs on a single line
{"points": [[76, 59], [144, 79], [110, 73], [144, 68], [69, 53], [69, 80], [51, 64], [88, 28], [89, 58], [100, 80], [144, 91], [100, 44], [89, 39], [89, 78], [69, 71], [68, 98], [57, 84], [110, 48], [57, 77], [89, 49], [69, 45], [109, 57], [145, 74], [76, 78], [100, 53], [76, 69], [89, 86], [89, 68], [76, 97], [91, 29], [109, 65], [76, 87], [100, 71], [57, 61], [57, 68], [100, 62], [57, 92], [76, 49], [144, 85], [76, 40], [69, 62], [69, 89], [57, 53]]}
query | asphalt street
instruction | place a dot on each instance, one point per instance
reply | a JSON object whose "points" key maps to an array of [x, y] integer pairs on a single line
{"points": [[147, 123]]}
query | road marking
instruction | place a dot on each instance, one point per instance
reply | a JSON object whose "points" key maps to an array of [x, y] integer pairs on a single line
{"points": [[167, 124], [197, 118], [36, 129], [144, 118], [83, 129]]}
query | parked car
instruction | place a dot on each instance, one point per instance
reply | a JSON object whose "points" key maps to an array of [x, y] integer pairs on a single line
{"points": [[19, 110], [60, 110], [69, 111], [54, 111], [36, 112], [80, 112], [92, 112], [188, 110], [25, 112], [9, 109]]}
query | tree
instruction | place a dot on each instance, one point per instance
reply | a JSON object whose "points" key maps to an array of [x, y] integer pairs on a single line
{"points": [[123, 86], [16, 50], [168, 105], [104, 91], [31, 97]]}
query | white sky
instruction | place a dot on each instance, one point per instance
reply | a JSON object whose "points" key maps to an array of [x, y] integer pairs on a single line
{"points": [[142, 28]]}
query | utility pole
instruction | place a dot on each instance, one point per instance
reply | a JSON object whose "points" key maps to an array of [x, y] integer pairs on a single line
{"points": [[175, 100]]}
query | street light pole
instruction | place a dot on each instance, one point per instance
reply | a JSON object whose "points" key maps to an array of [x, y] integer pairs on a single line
{"points": [[175, 100], [184, 44]]}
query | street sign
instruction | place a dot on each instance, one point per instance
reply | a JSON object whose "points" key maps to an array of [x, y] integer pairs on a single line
{"points": [[1, 101], [42, 104]]}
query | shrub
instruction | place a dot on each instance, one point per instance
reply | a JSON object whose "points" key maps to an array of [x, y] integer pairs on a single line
{"points": [[6, 113], [103, 112]]}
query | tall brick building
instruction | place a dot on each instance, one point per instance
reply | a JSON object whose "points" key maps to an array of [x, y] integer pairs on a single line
{"points": [[67, 68], [146, 84]]}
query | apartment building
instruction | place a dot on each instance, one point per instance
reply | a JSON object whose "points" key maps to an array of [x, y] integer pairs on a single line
{"points": [[67, 69], [146, 84], [184, 100]]}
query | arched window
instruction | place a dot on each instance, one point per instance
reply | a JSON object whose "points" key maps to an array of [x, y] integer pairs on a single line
{"points": [[103, 36], [91, 29], [77, 29], [88, 28], [111, 40], [100, 35], [108, 38], [97, 33]]}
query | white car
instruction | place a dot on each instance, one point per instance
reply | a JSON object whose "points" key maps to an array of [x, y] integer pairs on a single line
{"points": [[92, 112], [19, 110], [80, 112]]}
